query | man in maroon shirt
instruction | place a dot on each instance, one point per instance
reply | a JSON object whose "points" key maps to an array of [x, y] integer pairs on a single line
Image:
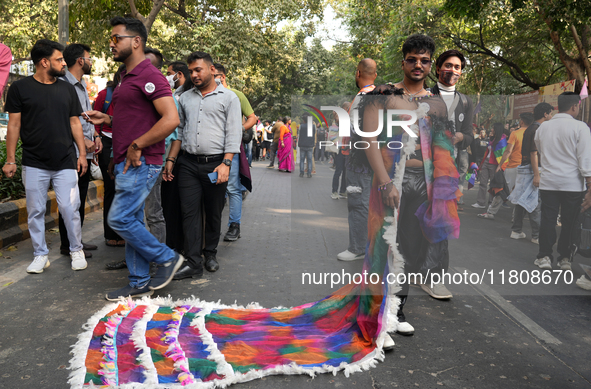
{"points": [[144, 114]]}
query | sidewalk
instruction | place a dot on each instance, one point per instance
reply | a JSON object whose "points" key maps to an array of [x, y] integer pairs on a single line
{"points": [[290, 225]]}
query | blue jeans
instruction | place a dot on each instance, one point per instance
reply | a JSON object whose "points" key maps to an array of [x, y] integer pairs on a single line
{"points": [[235, 189], [126, 217], [306, 153]]}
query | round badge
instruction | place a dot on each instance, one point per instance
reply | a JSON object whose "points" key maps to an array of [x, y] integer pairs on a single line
{"points": [[150, 87], [461, 117]]}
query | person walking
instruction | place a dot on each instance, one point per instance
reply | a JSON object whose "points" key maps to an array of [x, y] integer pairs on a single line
{"points": [[306, 144], [285, 152]]}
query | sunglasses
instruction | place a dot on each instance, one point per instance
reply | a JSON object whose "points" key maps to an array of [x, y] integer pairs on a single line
{"points": [[115, 38], [413, 61]]}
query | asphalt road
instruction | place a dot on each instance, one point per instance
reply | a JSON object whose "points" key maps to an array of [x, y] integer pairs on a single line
{"points": [[491, 334]]}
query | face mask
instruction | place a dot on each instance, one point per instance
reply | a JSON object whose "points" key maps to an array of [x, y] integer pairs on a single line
{"points": [[449, 77], [171, 80], [218, 81]]}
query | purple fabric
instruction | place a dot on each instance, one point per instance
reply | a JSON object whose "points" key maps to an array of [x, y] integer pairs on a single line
{"points": [[245, 179], [285, 154]]}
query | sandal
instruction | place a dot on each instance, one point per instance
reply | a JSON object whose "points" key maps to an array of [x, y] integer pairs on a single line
{"points": [[111, 242], [121, 243]]}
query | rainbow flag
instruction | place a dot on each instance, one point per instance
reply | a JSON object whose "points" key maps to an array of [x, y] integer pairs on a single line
{"points": [[500, 148]]}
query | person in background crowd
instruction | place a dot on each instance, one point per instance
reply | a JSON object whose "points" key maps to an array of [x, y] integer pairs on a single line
{"points": [[339, 162], [103, 104], [488, 165], [478, 147], [285, 151], [525, 195], [320, 137], [306, 145], [144, 114], [513, 151], [267, 140], [179, 78], [5, 63], [235, 188], [276, 130], [208, 137], [43, 112], [563, 144], [77, 57], [359, 174]]}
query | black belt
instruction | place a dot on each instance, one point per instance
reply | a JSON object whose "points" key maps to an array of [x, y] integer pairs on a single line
{"points": [[204, 158]]}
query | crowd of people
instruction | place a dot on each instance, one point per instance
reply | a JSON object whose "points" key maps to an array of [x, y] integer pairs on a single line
{"points": [[174, 149]]}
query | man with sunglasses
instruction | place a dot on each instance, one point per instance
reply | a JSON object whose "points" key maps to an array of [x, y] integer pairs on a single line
{"points": [[77, 57], [144, 114]]}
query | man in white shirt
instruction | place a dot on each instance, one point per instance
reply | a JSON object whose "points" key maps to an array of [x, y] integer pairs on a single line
{"points": [[565, 177]]}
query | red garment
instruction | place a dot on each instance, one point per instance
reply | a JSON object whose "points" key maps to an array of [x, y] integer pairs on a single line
{"points": [[5, 63], [98, 106]]}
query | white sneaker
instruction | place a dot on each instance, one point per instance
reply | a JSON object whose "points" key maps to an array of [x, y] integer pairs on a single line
{"points": [[565, 264], [39, 263], [349, 256], [518, 235], [543, 263], [476, 205], [486, 215], [584, 283], [343, 195], [334, 196], [388, 343], [437, 291], [78, 260], [535, 240], [405, 328]]}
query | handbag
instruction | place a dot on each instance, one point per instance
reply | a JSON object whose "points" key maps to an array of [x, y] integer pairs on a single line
{"points": [[247, 135]]}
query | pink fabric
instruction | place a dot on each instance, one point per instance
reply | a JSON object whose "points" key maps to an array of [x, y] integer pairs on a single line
{"points": [[5, 62], [285, 154]]}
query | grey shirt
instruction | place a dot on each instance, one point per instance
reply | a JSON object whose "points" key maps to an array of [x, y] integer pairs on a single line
{"points": [[211, 124], [81, 91]]}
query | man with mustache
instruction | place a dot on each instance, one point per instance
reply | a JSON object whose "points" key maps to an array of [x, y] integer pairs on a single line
{"points": [[43, 111], [144, 114], [209, 134]]}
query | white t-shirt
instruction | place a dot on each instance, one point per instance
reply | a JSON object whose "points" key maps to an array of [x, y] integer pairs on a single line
{"points": [[564, 144]]}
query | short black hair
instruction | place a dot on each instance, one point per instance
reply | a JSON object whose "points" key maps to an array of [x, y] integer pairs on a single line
{"points": [[447, 54], [542, 109], [73, 52], [179, 66], [566, 100], [220, 68], [132, 25], [418, 43], [527, 117], [199, 55], [157, 54], [44, 48], [286, 119]]}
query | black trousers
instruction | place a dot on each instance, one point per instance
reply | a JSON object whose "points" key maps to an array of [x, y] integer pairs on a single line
{"points": [[199, 197], [109, 187], [420, 256], [83, 181], [569, 206], [274, 147], [171, 208]]}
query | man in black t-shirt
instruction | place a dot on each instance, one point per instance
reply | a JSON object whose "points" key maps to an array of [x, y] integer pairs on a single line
{"points": [[525, 194], [44, 112]]}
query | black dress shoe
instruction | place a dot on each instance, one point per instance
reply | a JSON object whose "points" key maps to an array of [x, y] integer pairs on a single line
{"points": [[67, 252], [211, 263], [116, 265], [88, 246], [233, 232], [187, 272]]}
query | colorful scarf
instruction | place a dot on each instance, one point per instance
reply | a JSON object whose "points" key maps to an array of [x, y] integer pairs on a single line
{"points": [[500, 148], [438, 216]]}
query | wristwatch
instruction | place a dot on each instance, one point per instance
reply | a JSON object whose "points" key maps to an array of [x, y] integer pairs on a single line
{"points": [[135, 146], [227, 162]]}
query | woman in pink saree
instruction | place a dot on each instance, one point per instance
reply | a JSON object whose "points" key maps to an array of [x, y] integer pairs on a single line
{"points": [[285, 152]]}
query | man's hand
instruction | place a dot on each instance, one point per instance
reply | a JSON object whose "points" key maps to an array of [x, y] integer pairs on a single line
{"points": [[95, 117], [536, 181], [9, 170], [167, 172], [89, 145], [458, 137], [98, 144], [586, 201], [390, 196], [132, 159], [111, 169], [223, 173], [498, 168], [82, 165]]}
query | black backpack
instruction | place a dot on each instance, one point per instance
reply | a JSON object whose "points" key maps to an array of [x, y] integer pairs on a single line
{"points": [[247, 135], [581, 235]]}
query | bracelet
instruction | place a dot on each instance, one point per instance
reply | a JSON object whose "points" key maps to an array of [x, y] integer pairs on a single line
{"points": [[171, 159], [384, 186], [10, 163]]}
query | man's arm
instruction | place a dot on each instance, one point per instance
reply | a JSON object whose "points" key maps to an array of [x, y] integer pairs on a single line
{"points": [[13, 132], [233, 138], [584, 158], [169, 120], [79, 139], [533, 157], [250, 121]]}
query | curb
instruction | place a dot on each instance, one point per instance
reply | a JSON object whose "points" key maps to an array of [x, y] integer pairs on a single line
{"points": [[13, 214]]}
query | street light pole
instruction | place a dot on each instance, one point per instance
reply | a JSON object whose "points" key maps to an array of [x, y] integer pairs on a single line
{"points": [[63, 22]]}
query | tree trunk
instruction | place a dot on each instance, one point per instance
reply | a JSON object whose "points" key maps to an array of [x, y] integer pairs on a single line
{"points": [[147, 21]]}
